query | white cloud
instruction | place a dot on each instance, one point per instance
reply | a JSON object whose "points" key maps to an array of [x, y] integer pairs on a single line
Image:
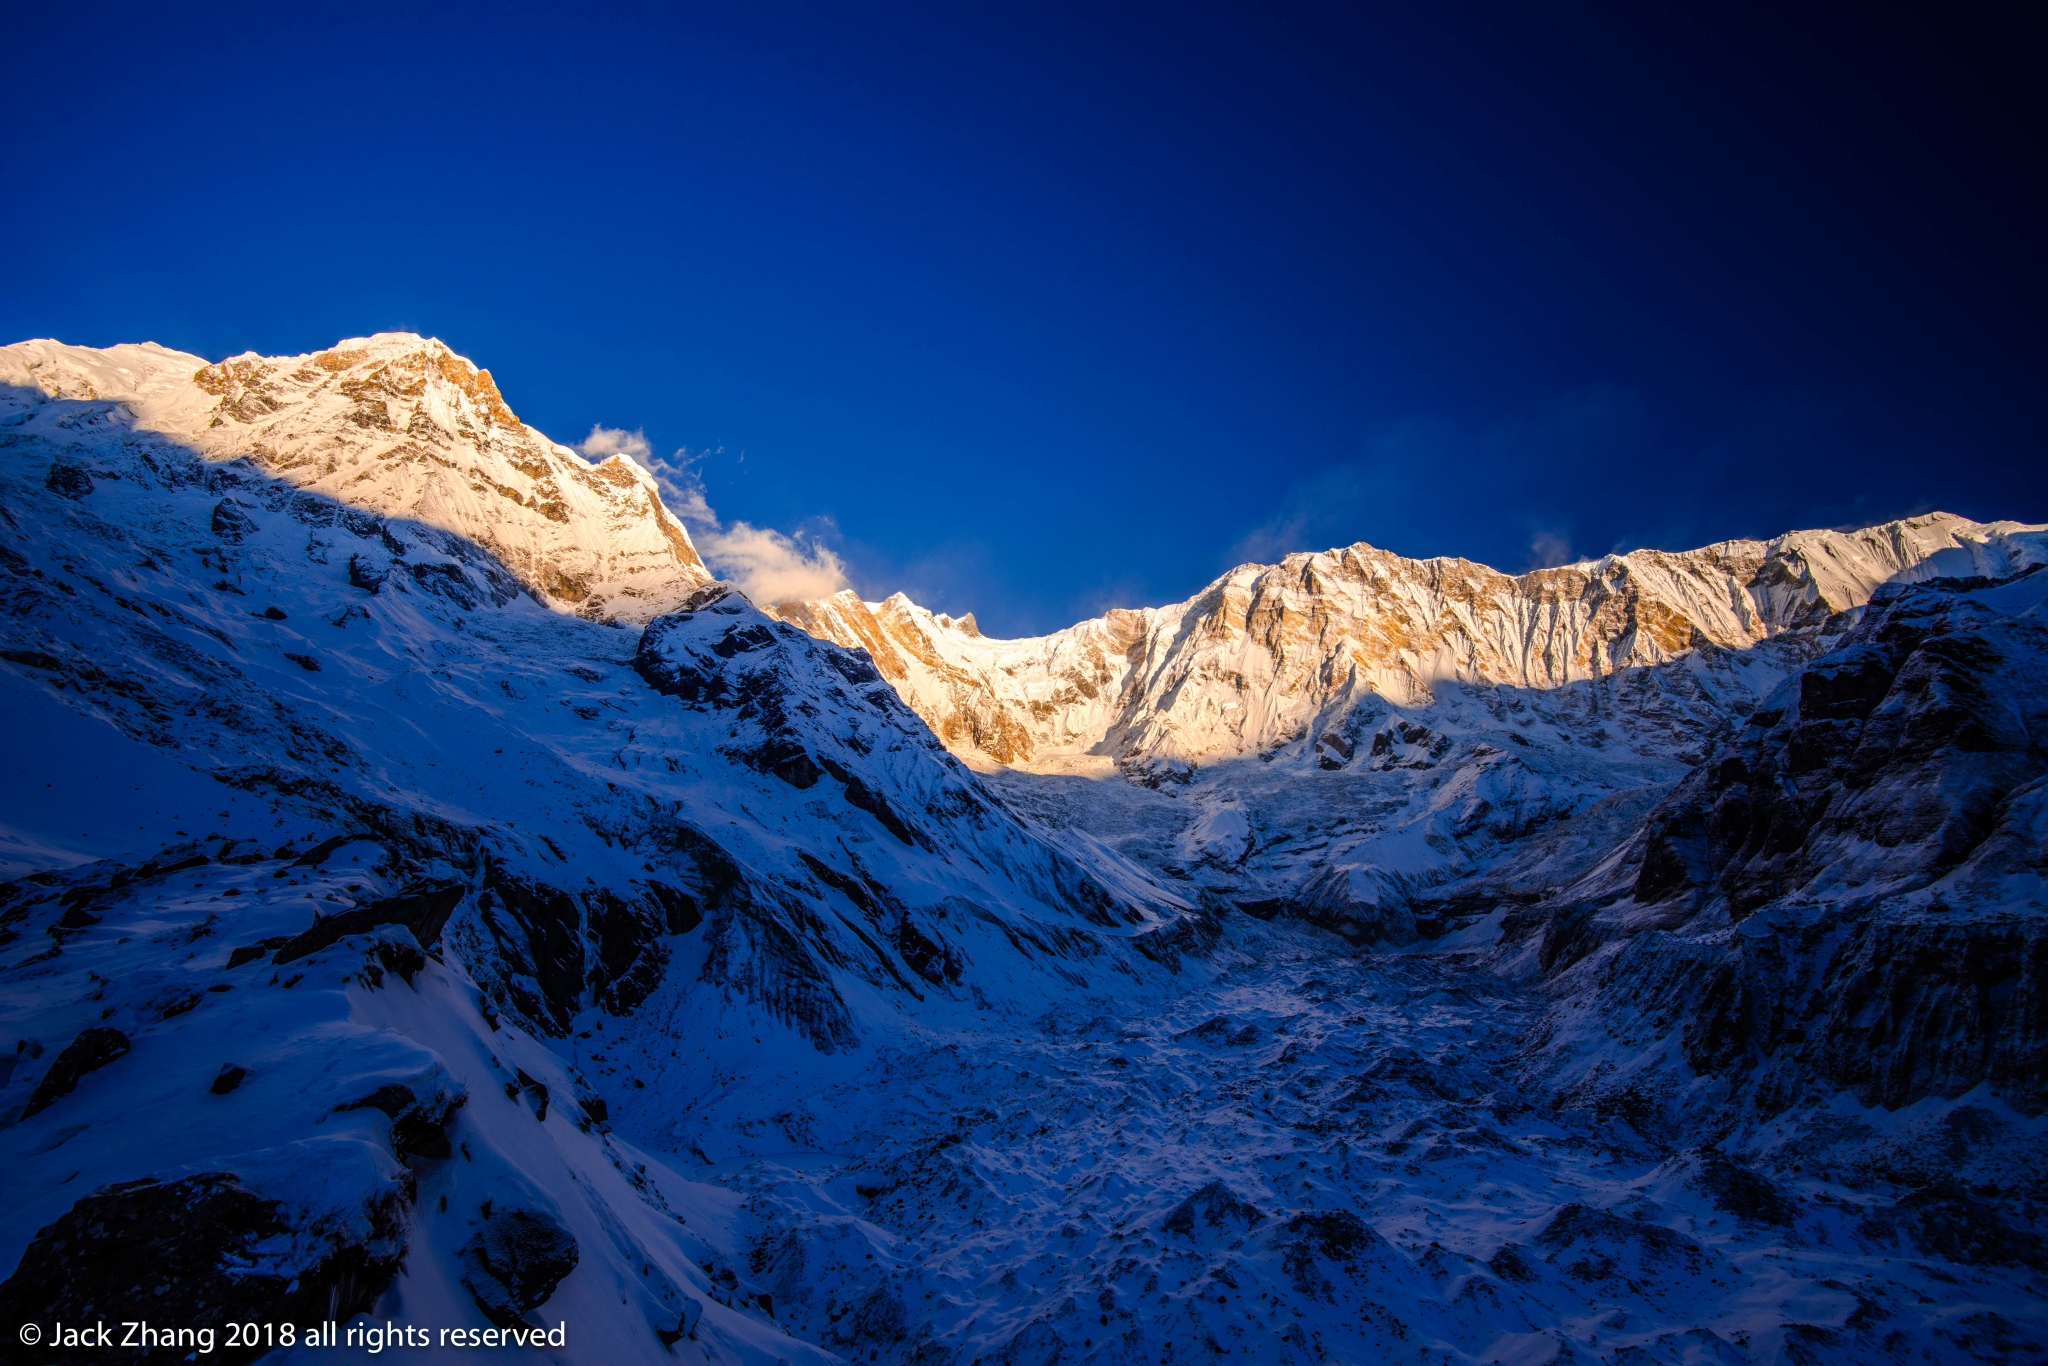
{"points": [[769, 566], [605, 442]]}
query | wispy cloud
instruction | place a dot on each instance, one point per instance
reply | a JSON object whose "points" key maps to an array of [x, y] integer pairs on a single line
{"points": [[1548, 550], [769, 566]]}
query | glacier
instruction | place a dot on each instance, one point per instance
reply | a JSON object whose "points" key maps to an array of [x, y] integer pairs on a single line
{"points": [[435, 899]]}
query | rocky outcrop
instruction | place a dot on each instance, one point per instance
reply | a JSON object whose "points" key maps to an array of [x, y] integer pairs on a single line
{"points": [[1887, 764], [557, 951], [90, 1051], [1846, 894], [722, 654], [201, 1252], [515, 1262], [422, 907]]}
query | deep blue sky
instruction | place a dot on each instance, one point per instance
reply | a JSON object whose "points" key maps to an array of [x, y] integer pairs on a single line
{"points": [[1034, 311]]}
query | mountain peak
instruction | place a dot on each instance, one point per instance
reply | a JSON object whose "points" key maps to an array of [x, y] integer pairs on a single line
{"points": [[400, 425]]}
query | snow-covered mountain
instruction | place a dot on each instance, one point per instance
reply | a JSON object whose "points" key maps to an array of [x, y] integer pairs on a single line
{"points": [[435, 902], [393, 424], [1271, 655]]}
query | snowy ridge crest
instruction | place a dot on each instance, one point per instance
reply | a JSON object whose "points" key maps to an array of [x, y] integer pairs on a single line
{"points": [[1270, 655]]}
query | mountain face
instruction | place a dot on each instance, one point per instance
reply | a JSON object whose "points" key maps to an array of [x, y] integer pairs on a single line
{"points": [[1272, 655], [392, 424], [435, 901]]}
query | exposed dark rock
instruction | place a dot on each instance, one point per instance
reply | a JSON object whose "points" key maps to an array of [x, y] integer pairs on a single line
{"points": [[445, 581], [367, 572], [746, 664], [230, 522], [1337, 1236], [1402, 1072], [1910, 1010], [629, 957], [678, 908], [1333, 901], [560, 951], [1748, 1196], [873, 904], [1513, 1263], [34, 659], [739, 640], [1847, 685], [68, 480], [400, 957], [535, 1088], [230, 1077], [419, 1126], [860, 794], [854, 666], [422, 907], [672, 667], [1881, 816], [753, 953], [1212, 1208], [1896, 751], [311, 509], [515, 1262], [601, 945], [879, 1322], [1892, 1007], [320, 852], [251, 953], [928, 956], [784, 758], [200, 1251], [1192, 936], [90, 1051], [539, 932]]}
